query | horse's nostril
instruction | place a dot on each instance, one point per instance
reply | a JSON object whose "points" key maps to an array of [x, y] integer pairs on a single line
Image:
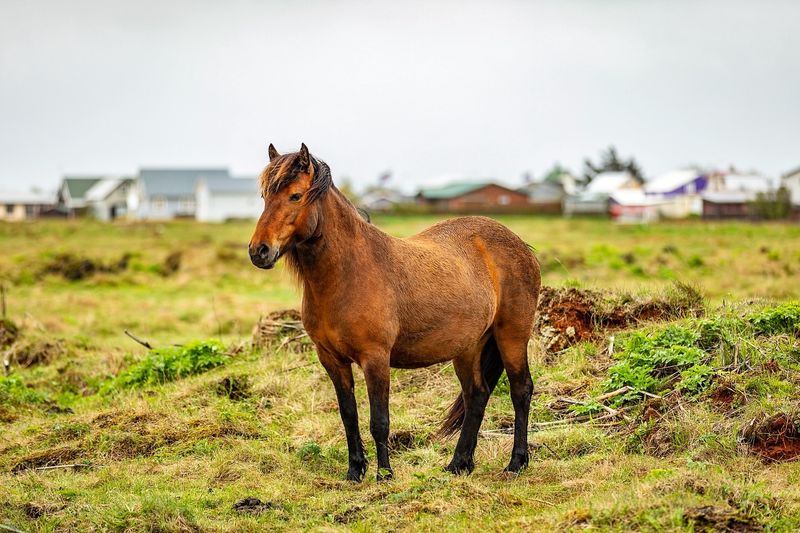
{"points": [[263, 250]]}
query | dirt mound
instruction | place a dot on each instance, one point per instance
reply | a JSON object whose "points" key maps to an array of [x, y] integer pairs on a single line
{"points": [[74, 268], [714, 518], [570, 315], [8, 332], [277, 326], [47, 457], [34, 353], [234, 387], [252, 505], [774, 439]]}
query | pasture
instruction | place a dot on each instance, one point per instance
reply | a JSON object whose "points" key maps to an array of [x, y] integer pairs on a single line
{"points": [[99, 433]]}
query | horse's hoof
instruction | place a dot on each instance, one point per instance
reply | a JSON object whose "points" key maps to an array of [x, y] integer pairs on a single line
{"points": [[460, 468], [384, 474], [356, 472], [517, 465]]}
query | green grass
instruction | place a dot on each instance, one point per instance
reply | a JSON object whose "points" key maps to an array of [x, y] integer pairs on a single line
{"points": [[175, 436]]}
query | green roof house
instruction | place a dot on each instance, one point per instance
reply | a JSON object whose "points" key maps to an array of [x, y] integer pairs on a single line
{"points": [[481, 196]]}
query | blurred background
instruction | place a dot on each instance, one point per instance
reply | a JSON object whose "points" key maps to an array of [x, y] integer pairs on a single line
{"points": [[399, 98]]}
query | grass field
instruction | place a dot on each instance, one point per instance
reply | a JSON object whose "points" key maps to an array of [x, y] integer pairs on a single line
{"points": [[171, 439]]}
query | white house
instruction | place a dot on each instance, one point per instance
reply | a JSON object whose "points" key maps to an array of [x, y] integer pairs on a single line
{"points": [[222, 198], [680, 192], [25, 205], [791, 180], [594, 199], [72, 193], [163, 194], [107, 199]]}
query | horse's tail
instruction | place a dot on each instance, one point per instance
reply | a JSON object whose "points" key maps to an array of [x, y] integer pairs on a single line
{"points": [[491, 369]]}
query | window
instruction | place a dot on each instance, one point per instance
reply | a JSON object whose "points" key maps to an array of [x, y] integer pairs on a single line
{"points": [[30, 211], [159, 203], [187, 204], [504, 199], [9, 209]]}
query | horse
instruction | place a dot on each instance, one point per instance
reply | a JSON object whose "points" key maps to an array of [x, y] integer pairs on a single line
{"points": [[464, 290]]}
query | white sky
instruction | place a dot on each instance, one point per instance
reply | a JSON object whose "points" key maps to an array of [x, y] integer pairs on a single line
{"points": [[480, 89]]}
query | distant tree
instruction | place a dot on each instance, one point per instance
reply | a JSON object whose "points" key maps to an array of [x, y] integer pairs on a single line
{"points": [[611, 162], [772, 205], [554, 174]]}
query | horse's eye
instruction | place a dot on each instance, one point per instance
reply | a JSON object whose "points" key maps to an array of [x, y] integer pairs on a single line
{"points": [[295, 197]]}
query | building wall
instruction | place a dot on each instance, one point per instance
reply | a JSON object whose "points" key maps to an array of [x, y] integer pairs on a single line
{"points": [[792, 184], [219, 207], [487, 199], [15, 211], [724, 210]]}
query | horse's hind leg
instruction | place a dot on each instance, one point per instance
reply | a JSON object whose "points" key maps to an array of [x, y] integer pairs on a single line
{"points": [[476, 393], [514, 352]]}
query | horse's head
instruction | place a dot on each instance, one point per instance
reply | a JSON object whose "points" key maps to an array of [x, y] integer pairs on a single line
{"points": [[291, 184]]}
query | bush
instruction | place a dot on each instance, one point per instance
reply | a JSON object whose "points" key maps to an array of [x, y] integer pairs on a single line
{"points": [[783, 319], [14, 392], [650, 363], [163, 365]]}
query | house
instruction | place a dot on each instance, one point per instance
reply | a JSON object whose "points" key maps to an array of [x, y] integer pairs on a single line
{"points": [[791, 180], [71, 196], [634, 206], [729, 195], [472, 197], [107, 199], [384, 199], [163, 194], [544, 196], [222, 198], [26, 205], [594, 199], [681, 191]]}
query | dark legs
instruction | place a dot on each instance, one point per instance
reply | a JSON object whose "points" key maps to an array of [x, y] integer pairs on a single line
{"points": [[376, 373], [476, 394], [515, 359], [342, 377]]}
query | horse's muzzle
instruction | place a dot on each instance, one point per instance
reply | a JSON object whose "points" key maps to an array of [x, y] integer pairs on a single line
{"points": [[263, 256]]}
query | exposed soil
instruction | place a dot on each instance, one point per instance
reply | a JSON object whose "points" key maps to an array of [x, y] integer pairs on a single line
{"points": [[234, 387], [715, 518], [774, 439], [36, 353], [569, 315], [8, 332], [75, 268], [725, 397], [47, 457], [252, 505], [171, 264]]}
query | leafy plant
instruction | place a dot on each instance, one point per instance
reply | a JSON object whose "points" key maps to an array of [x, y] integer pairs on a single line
{"points": [[13, 391], [163, 365], [784, 318]]}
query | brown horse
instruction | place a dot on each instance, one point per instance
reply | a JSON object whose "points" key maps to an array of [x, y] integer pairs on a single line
{"points": [[464, 290]]}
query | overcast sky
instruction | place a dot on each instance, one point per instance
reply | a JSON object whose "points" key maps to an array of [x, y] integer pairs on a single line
{"points": [[426, 89]]}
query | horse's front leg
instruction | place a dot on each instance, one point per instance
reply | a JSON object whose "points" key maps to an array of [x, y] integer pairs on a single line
{"points": [[342, 377], [376, 374]]}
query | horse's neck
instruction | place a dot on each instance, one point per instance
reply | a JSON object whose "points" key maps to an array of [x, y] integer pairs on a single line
{"points": [[320, 261]]}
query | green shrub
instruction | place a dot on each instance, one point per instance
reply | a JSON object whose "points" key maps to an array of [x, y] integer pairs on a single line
{"points": [[163, 365], [14, 392], [778, 320], [649, 363]]}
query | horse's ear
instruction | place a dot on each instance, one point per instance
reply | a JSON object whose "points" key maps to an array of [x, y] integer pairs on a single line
{"points": [[273, 153], [305, 158]]}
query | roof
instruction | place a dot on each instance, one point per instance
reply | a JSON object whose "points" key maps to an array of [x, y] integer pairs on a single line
{"points": [[728, 197], [792, 173], [177, 182], [100, 190], [634, 197], [606, 182], [454, 190], [751, 183], [670, 181], [26, 198], [227, 185], [78, 186]]}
